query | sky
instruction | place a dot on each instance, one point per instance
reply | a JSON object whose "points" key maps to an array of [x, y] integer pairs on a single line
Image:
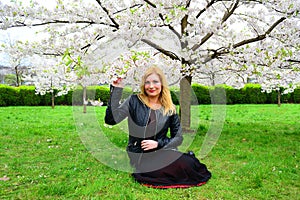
{"points": [[13, 34], [20, 33]]}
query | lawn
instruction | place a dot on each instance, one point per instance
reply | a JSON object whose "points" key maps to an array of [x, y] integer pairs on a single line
{"points": [[62, 153]]}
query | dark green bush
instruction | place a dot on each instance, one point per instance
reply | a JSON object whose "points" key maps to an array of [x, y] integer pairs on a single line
{"points": [[101, 93], [175, 94], [28, 97], [251, 93], [287, 98], [2, 95], [218, 94], [202, 93], [9, 96], [296, 95], [271, 97]]}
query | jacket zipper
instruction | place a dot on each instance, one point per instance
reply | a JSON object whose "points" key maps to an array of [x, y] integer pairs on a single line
{"points": [[144, 134], [147, 123], [156, 120]]}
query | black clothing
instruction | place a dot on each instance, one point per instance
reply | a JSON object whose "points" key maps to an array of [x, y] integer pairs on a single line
{"points": [[163, 166], [180, 170], [138, 116]]}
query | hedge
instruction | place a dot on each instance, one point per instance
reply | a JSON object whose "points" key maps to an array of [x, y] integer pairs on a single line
{"points": [[249, 94]]}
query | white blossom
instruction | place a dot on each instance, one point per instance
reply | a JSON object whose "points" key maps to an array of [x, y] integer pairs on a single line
{"points": [[215, 47]]}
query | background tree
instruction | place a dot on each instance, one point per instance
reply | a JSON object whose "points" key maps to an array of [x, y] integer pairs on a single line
{"points": [[231, 36], [48, 75], [16, 57]]}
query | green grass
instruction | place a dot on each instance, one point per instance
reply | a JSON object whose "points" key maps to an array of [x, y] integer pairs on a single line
{"points": [[46, 154]]}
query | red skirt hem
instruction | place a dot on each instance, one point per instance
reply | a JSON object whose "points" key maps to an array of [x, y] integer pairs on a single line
{"points": [[172, 186]]}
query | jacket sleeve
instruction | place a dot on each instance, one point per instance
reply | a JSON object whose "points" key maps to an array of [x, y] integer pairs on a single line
{"points": [[176, 134], [116, 112]]}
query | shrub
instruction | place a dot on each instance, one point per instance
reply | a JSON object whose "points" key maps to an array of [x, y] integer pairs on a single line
{"points": [[202, 93], [253, 94], [93, 93], [250, 94], [28, 96], [9, 96], [175, 94], [296, 95], [271, 97], [218, 94]]}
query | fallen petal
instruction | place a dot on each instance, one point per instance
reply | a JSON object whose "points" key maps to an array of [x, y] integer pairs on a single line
{"points": [[4, 178]]}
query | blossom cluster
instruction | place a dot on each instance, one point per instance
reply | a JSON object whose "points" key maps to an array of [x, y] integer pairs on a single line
{"points": [[215, 42]]}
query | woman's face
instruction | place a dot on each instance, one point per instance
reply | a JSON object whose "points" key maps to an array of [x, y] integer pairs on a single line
{"points": [[152, 85]]}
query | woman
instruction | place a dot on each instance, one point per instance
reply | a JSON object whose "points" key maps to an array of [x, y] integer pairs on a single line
{"points": [[153, 154]]}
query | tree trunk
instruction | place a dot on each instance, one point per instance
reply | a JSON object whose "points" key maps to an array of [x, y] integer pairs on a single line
{"points": [[84, 99], [17, 76], [52, 99], [185, 103], [279, 98]]}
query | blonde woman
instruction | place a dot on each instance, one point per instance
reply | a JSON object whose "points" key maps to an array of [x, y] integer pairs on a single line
{"points": [[153, 152]]}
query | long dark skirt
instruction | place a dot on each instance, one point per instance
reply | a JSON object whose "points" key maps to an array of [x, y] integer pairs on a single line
{"points": [[170, 169]]}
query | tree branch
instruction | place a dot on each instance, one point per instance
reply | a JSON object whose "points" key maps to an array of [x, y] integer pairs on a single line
{"points": [[230, 11], [227, 14], [293, 61], [150, 3], [22, 24], [203, 40], [107, 12], [170, 54], [222, 51], [162, 18], [259, 37], [209, 4]]}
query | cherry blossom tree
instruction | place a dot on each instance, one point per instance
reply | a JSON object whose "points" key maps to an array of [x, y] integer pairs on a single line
{"points": [[228, 39], [17, 58], [50, 76], [282, 78], [84, 74]]}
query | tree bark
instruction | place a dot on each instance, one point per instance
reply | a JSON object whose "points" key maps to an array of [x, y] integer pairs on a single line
{"points": [[185, 103], [278, 98], [52, 100], [17, 76]]}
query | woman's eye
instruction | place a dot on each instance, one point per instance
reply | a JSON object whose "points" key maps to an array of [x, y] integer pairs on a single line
{"points": [[153, 82]]}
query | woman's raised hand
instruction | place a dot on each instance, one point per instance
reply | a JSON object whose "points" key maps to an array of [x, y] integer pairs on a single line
{"points": [[118, 82]]}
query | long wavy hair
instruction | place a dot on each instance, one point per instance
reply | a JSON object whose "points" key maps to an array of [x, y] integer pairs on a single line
{"points": [[165, 94]]}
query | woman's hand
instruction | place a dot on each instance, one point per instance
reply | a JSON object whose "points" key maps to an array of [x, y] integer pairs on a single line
{"points": [[149, 144], [118, 82]]}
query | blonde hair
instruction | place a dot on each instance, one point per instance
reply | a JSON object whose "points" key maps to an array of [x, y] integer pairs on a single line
{"points": [[165, 95]]}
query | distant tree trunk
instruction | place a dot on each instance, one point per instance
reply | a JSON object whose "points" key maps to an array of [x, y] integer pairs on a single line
{"points": [[279, 98], [185, 103], [84, 99], [52, 96], [17, 76], [213, 79], [52, 99]]}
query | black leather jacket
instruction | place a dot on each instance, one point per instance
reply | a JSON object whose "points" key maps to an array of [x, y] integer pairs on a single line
{"points": [[138, 116]]}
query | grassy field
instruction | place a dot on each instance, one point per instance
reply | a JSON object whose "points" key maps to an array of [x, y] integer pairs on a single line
{"points": [[44, 155]]}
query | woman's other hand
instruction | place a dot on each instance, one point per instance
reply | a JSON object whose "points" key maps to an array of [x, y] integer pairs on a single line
{"points": [[149, 144]]}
